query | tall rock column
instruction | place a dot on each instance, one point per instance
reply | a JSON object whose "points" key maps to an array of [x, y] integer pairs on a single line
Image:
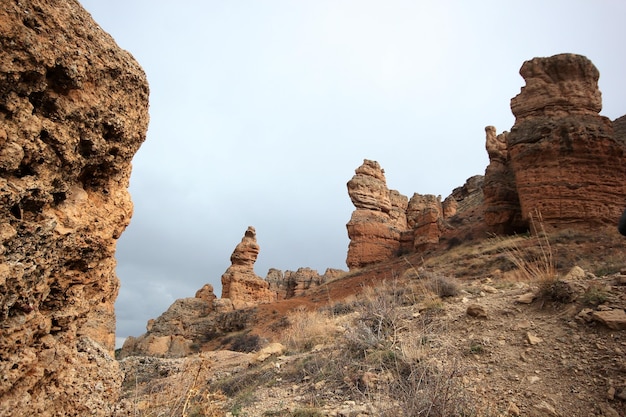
{"points": [[566, 162], [73, 112], [239, 283], [377, 226], [501, 203]]}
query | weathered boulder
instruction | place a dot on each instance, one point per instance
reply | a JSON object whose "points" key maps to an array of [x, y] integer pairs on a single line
{"points": [[239, 283], [376, 226], [567, 164], [73, 112]]}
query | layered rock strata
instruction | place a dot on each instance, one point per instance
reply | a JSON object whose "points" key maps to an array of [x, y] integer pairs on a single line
{"points": [[73, 112], [376, 226], [386, 223], [239, 283], [567, 164]]}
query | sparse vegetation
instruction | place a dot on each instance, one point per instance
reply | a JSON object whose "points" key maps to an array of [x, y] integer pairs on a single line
{"points": [[307, 329]]}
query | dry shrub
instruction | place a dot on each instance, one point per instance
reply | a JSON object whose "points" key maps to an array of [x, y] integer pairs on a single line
{"points": [[307, 329], [400, 353], [443, 286], [184, 392], [533, 257]]}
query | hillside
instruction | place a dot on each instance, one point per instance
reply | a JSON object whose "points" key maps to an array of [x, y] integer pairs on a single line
{"points": [[446, 334]]}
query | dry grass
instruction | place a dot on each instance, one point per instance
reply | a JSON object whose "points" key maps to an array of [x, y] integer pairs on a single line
{"points": [[184, 393], [532, 256], [307, 329]]}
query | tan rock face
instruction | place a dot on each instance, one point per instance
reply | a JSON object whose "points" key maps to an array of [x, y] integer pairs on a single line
{"points": [[73, 112], [239, 283], [566, 161]]}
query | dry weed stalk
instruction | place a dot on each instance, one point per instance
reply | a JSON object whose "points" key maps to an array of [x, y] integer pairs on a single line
{"points": [[535, 260], [183, 394]]}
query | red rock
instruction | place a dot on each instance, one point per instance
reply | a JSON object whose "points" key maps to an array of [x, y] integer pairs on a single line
{"points": [[377, 225], [566, 162]]}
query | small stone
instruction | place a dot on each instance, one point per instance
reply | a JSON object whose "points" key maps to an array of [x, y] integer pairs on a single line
{"points": [[513, 409], [575, 273], [613, 319], [490, 289], [610, 393], [476, 310], [608, 411], [546, 409], [532, 339], [527, 298]]}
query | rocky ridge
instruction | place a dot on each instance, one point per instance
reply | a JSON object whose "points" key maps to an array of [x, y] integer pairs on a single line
{"points": [[191, 324], [73, 112]]}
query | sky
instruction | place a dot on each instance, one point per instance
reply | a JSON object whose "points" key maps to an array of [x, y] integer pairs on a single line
{"points": [[262, 110]]}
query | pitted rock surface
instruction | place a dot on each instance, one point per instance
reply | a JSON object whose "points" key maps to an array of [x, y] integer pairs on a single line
{"points": [[73, 112]]}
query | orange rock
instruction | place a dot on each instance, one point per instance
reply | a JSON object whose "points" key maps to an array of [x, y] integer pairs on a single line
{"points": [[73, 112], [239, 283]]}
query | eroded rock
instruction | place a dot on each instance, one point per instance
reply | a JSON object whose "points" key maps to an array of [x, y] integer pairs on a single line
{"points": [[239, 283], [73, 112], [567, 165]]}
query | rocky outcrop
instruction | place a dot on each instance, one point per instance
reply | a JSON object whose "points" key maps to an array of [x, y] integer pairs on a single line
{"points": [[296, 283], [174, 332], [239, 283], [387, 224], [567, 164], [73, 112], [425, 217], [379, 221], [502, 208]]}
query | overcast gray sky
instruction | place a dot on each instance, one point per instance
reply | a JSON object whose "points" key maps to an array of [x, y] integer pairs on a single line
{"points": [[261, 110]]}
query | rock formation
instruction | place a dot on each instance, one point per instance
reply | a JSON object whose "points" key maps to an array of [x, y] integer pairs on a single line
{"points": [[377, 224], [174, 333], [502, 208], [386, 223], [425, 217], [239, 283], [566, 162], [73, 112], [296, 283]]}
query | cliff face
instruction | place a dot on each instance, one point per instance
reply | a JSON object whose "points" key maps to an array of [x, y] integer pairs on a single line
{"points": [[566, 161], [386, 223], [73, 112]]}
